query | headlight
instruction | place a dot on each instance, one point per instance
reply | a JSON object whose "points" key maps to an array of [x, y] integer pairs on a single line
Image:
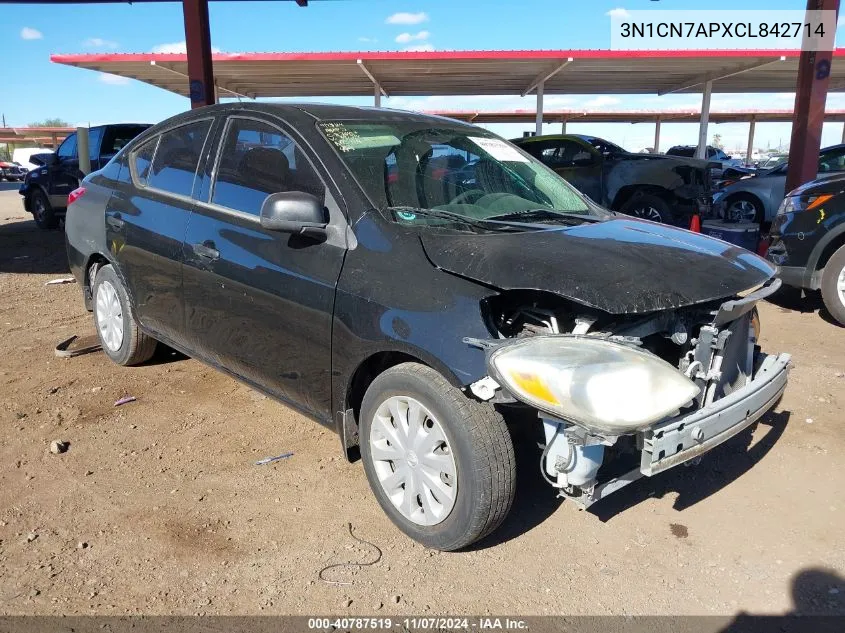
{"points": [[603, 386], [793, 204]]}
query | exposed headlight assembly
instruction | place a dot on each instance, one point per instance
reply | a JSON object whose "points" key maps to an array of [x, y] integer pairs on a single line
{"points": [[604, 386], [792, 204]]}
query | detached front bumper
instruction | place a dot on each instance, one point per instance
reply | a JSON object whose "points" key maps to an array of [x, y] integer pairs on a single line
{"points": [[686, 437]]}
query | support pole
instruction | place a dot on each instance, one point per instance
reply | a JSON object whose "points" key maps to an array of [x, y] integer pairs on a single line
{"points": [[808, 114], [657, 136], [843, 133], [198, 43], [82, 150], [563, 127], [750, 149], [538, 129], [701, 150], [377, 96]]}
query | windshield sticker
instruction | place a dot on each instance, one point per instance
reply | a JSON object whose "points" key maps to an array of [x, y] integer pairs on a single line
{"points": [[499, 150]]}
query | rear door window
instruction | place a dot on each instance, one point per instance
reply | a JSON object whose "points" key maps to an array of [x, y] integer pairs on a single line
{"points": [[257, 159], [175, 162], [116, 137], [95, 135], [142, 159]]}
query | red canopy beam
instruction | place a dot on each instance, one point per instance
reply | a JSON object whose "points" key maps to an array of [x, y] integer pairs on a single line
{"points": [[808, 117], [198, 43]]}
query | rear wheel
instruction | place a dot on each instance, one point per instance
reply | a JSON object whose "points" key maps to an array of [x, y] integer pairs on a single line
{"points": [[649, 207], [117, 329], [440, 465], [833, 286], [42, 211], [744, 207]]}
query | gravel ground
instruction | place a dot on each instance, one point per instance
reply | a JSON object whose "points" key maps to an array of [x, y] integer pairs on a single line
{"points": [[157, 507]]}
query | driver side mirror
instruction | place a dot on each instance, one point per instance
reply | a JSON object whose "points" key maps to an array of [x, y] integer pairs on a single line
{"points": [[294, 212]]}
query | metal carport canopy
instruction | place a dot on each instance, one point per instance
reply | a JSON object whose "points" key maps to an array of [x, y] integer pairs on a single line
{"points": [[468, 72]]}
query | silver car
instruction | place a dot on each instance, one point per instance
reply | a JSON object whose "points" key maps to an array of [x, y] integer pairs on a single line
{"points": [[758, 197]]}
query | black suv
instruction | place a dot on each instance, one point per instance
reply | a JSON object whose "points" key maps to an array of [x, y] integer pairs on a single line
{"points": [[667, 189], [808, 241], [45, 190]]}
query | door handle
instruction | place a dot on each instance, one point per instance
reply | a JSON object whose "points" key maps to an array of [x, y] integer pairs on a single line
{"points": [[115, 221], [206, 250]]}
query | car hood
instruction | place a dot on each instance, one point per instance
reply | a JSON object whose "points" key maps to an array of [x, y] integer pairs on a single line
{"points": [[620, 266]]}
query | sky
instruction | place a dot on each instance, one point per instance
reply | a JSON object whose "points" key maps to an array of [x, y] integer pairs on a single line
{"points": [[35, 89]]}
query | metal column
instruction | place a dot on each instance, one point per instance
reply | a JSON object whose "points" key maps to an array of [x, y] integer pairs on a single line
{"points": [[198, 43], [808, 114], [701, 150], [377, 96], [843, 133], [539, 124], [750, 149], [656, 147], [563, 127]]}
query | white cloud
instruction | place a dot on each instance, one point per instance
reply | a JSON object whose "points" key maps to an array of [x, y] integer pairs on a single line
{"points": [[404, 38], [407, 18], [113, 80], [367, 39], [618, 13], [98, 42], [177, 47], [419, 48], [600, 102], [28, 33]]}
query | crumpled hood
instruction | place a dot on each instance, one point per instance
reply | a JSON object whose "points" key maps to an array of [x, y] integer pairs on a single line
{"points": [[620, 266]]}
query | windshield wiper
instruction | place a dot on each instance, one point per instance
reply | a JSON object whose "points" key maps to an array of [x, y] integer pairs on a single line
{"points": [[482, 223], [547, 214]]}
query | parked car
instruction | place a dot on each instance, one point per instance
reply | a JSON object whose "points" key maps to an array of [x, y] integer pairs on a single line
{"points": [[414, 314], [11, 171], [808, 241], [651, 186], [757, 199], [45, 189]]}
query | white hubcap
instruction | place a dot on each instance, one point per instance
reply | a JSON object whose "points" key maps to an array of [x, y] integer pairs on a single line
{"points": [[840, 286], [109, 316], [413, 460]]}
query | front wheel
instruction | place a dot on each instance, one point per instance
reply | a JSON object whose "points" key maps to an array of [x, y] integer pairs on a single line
{"points": [[833, 286], [42, 211], [119, 334], [440, 465], [649, 207]]}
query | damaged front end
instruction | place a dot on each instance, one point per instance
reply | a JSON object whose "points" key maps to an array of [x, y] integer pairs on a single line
{"points": [[626, 396]]}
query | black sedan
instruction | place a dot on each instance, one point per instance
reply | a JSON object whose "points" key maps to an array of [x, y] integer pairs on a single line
{"points": [[340, 260], [808, 241]]}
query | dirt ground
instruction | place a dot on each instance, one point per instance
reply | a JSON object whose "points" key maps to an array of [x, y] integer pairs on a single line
{"points": [[158, 507]]}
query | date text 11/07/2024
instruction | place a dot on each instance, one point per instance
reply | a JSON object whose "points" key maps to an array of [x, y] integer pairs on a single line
{"points": [[433, 623]]}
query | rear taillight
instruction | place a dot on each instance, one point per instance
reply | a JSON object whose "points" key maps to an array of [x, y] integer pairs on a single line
{"points": [[75, 195]]}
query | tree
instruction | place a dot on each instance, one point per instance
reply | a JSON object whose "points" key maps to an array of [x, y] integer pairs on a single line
{"points": [[717, 141], [50, 123]]}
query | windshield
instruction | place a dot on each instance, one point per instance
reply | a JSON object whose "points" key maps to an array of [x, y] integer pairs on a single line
{"points": [[605, 147], [449, 172]]}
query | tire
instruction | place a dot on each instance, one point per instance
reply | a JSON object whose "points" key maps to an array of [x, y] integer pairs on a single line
{"points": [[42, 211], [649, 207], [833, 286], [112, 307], [473, 435], [744, 206]]}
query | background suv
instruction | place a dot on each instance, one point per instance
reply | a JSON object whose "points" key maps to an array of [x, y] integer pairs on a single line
{"points": [[45, 189]]}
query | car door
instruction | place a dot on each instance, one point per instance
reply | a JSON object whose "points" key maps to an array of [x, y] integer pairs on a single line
{"points": [[258, 302], [146, 220], [578, 163], [63, 172]]}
